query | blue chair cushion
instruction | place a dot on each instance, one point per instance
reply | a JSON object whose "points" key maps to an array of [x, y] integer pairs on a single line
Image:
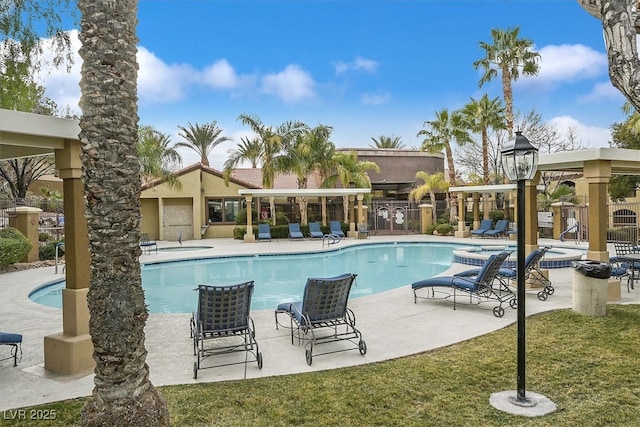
{"points": [[445, 281], [7, 338], [472, 272], [293, 308]]}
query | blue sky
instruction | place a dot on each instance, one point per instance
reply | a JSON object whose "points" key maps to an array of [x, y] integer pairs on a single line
{"points": [[367, 68]]}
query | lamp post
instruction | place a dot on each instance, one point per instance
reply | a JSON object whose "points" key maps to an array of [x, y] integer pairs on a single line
{"points": [[520, 163]]}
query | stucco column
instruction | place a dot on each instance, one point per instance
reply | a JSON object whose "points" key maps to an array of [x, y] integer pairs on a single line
{"points": [[248, 236], [26, 220], [71, 351], [361, 218], [597, 174], [426, 217], [476, 210], [352, 224], [324, 209], [462, 230], [531, 209]]}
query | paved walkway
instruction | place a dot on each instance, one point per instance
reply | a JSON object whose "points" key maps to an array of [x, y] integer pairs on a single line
{"points": [[392, 326]]}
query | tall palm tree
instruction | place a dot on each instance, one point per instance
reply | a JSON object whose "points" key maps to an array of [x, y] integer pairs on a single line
{"points": [[122, 394], [311, 152], [439, 134], [202, 139], [510, 55], [433, 183], [274, 142], [482, 115], [387, 142], [157, 157], [347, 170]]}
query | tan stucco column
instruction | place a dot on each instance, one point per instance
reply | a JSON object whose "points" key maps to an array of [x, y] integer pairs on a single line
{"points": [[462, 230], [597, 174], [26, 221], [352, 224], [426, 217], [361, 218], [71, 351], [248, 236], [531, 209], [476, 210], [324, 210]]}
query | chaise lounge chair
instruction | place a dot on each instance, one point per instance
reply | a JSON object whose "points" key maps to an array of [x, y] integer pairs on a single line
{"points": [[500, 230], [322, 316], [315, 231], [480, 286], [336, 228], [221, 325], [15, 342], [147, 244], [294, 231], [264, 232], [485, 225]]}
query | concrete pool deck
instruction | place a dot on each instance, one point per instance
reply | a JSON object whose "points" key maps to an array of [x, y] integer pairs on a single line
{"points": [[392, 325]]}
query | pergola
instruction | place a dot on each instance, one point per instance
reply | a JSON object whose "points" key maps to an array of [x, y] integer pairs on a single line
{"points": [[346, 193]]}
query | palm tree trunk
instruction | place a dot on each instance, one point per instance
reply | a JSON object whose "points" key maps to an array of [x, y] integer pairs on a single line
{"points": [[123, 394]]}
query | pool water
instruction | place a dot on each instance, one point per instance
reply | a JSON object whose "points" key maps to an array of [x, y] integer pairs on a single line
{"points": [[169, 286]]}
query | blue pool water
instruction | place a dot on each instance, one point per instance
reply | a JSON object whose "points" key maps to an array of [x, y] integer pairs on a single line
{"points": [[169, 285]]}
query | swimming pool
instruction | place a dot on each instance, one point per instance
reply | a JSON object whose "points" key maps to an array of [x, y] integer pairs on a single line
{"points": [[382, 266]]}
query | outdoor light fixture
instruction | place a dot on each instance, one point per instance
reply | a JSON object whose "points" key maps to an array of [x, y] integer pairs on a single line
{"points": [[520, 163]]}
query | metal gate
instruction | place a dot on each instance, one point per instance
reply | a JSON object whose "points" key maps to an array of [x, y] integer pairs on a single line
{"points": [[398, 217]]}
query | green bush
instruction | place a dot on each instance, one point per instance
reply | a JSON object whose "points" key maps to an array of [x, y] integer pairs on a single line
{"points": [[48, 251], [496, 216], [14, 246], [444, 229], [241, 217], [43, 237], [431, 228]]}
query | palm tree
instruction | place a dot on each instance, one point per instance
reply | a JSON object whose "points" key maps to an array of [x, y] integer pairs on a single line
{"points": [[311, 152], [434, 183], [511, 56], [480, 116], [387, 142], [202, 139], [347, 170], [440, 134], [157, 157], [122, 394], [274, 142]]}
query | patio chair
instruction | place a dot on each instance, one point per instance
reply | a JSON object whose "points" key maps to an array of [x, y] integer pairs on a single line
{"points": [[315, 231], [147, 244], [363, 231], [264, 232], [485, 225], [500, 230], [294, 231], [622, 260], [323, 316], [532, 273], [15, 342], [481, 286], [336, 228], [221, 325]]}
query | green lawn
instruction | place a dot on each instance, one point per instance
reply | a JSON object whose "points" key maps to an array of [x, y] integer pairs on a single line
{"points": [[589, 367]]}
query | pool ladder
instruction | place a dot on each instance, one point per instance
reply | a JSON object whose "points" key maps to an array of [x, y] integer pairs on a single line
{"points": [[330, 239]]}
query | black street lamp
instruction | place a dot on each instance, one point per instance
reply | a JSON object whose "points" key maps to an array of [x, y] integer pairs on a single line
{"points": [[520, 163]]}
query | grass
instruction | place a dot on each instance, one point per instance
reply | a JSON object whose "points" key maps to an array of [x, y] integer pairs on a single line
{"points": [[589, 367]]}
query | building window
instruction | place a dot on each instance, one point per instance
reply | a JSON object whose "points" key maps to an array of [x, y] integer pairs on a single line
{"points": [[223, 210]]}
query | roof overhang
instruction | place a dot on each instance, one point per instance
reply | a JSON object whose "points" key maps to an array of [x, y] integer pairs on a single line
{"points": [[485, 189], [318, 192], [623, 161]]}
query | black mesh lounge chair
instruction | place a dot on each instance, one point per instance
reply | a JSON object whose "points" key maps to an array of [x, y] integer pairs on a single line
{"points": [[315, 231], [485, 225], [294, 231], [147, 244], [500, 230], [532, 273], [264, 232], [336, 228], [323, 316], [15, 342], [221, 325], [480, 286]]}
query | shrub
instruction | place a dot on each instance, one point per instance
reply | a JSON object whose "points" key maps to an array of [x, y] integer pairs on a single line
{"points": [[43, 237], [241, 217], [48, 251], [444, 229], [14, 246], [430, 229]]}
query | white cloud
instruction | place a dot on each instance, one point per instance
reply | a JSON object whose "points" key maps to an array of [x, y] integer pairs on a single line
{"points": [[589, 136], [560, 63], [604, 90], [375, 99], [291, 85], [221, 75], [159, 81], [358, 64]]}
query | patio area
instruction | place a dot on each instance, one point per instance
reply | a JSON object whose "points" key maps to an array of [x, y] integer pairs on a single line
{"points": [[392, 325]]}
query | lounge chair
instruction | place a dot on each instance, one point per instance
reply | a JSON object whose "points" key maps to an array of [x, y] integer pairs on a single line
{"points": [[294, 231], [264, 232], [500, 230], [480, 286], [147, 244], [623, 249], [336, 228], [323, 316], [15, 342], [221, 325], [315, 231], [485, 225], [363, 231], [532, 273]]}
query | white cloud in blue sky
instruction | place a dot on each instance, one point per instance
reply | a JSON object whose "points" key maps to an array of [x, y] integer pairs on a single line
{"points": [[292, 84], [358, 64]]}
